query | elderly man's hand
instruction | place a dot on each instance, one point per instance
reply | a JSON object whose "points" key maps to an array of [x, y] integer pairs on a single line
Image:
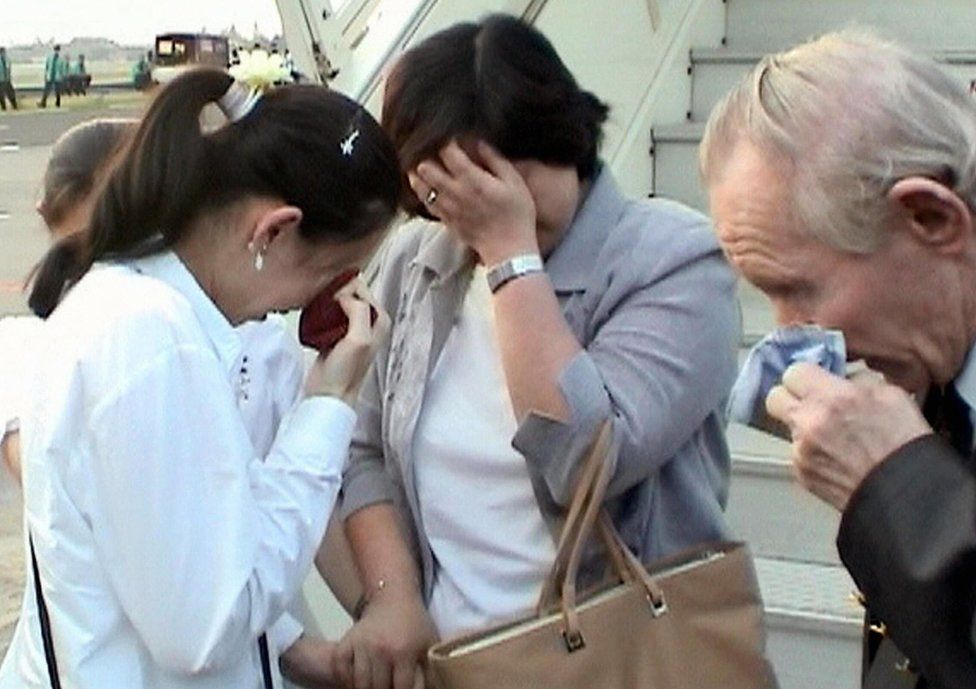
{"points": [[842, 428]]}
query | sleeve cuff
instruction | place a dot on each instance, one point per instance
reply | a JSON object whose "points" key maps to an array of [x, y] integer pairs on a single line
{"points": [[316, 434], [553, 448], [283, 634], [364, 489]]}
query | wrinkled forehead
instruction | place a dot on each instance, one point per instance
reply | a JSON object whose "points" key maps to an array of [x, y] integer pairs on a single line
{"points": [[752, 197], [755, 221]]}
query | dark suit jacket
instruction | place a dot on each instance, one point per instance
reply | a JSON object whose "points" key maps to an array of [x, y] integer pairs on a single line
{"points": [[908, 538]]}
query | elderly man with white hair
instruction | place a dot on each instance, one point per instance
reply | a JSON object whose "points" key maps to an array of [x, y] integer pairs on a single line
{"points": [[842, 181]]}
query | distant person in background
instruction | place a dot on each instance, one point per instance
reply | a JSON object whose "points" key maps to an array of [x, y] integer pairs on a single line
{"points": [[79, 160], [69, 84], [52, 77], [6, 82], [64, 74], [78, 78], [142, 72]]}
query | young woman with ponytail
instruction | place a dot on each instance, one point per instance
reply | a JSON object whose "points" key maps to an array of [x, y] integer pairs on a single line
{"points": [[166, 548]]}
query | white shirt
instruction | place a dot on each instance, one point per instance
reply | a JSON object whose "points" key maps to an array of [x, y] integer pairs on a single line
{"points": [[479, 512], [269, 379], [19, 337], [272, 364], [965, 384], [166, 547]]}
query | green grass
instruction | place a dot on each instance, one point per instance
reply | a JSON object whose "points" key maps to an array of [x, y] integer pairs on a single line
{"points": [[31, 74], [27, 102]]}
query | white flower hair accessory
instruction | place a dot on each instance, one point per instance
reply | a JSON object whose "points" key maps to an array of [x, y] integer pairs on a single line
{"points": [[257, 72], [260, 70]]}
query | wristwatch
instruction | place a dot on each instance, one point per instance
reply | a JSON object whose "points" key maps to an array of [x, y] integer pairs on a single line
{"points": [[515, 267]]}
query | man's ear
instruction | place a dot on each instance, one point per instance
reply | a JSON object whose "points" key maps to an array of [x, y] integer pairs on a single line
{"points": [[272, 222], [935, 215]]}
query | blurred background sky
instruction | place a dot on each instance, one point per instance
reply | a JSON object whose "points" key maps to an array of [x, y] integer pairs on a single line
{"points": [[133, 22]]}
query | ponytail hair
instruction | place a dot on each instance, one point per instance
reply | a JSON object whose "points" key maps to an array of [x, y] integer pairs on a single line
{"points": [[287, 147]]}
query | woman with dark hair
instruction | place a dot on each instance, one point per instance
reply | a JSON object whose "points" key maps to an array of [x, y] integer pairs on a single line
{"points": [[539, 303], [79, 161], [166, 548]]}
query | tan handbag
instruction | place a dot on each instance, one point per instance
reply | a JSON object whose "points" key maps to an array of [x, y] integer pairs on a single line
{"points": [[691, 621]]}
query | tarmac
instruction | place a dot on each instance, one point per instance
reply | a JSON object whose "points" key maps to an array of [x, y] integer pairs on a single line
{"points": [[25, 144]]}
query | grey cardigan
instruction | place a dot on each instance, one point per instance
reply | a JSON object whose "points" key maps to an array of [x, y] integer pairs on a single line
{"points": [[651, 299]]}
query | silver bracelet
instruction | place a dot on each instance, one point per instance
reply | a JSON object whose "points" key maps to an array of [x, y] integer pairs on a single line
{"points": [[515, 267]]}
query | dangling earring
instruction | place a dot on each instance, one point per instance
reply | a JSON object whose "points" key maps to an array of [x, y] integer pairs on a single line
{"points": [[258, 257]]}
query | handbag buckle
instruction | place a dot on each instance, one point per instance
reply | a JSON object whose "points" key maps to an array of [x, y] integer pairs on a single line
{"points": [[658, 607], [574, 640]]}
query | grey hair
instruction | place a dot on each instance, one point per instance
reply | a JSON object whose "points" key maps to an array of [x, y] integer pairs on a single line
{"points": [[851, 114]]}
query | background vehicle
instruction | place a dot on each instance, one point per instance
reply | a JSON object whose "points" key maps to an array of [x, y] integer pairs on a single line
{"points": [[177, 52]]}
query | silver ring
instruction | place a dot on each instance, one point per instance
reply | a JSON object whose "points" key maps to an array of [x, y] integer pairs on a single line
{"points": [[431, 197]]}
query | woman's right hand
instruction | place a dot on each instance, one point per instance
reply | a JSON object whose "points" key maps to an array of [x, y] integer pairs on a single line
{"points": [[386, 649], [341, 371]]}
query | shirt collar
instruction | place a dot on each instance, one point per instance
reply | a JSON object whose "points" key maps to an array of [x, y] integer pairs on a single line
{"points": [[569, 264], [442, 252], [965, 382], [168, 268]]}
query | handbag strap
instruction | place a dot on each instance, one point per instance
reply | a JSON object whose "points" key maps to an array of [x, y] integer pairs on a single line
{"points": [[589, 469], [586, 512], [629, 568], [48, 640]]}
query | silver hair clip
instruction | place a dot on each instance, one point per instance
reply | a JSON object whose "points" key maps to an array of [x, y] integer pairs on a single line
{"points": [[347, 144], [238, 101]]}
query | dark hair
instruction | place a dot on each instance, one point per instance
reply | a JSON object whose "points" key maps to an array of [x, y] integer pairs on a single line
{"points": [[499, 80], [288, 147], [78, 159]]}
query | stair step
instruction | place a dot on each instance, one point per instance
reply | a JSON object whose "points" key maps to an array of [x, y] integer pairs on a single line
{"points": [[770, 511], [716, 72], [812, 591], [676, 164], [773, 24], [813, 626]]}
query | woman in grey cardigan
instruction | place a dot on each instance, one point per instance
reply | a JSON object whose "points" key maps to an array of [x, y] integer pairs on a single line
{"points": [[534, 302]]}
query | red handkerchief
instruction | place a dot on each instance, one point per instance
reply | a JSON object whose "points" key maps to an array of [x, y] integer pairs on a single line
{"points": [[323, 322]]}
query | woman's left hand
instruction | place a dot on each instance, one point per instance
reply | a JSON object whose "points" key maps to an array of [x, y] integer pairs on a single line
{"points": [[489, 207]]}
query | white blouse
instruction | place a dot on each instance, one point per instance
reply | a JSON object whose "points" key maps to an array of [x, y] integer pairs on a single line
{"points": [[270, 378], [478, 509], [19, 336], [166, 545]]}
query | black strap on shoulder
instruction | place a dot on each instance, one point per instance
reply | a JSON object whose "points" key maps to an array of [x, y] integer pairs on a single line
{"points": [[46, 638]]}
